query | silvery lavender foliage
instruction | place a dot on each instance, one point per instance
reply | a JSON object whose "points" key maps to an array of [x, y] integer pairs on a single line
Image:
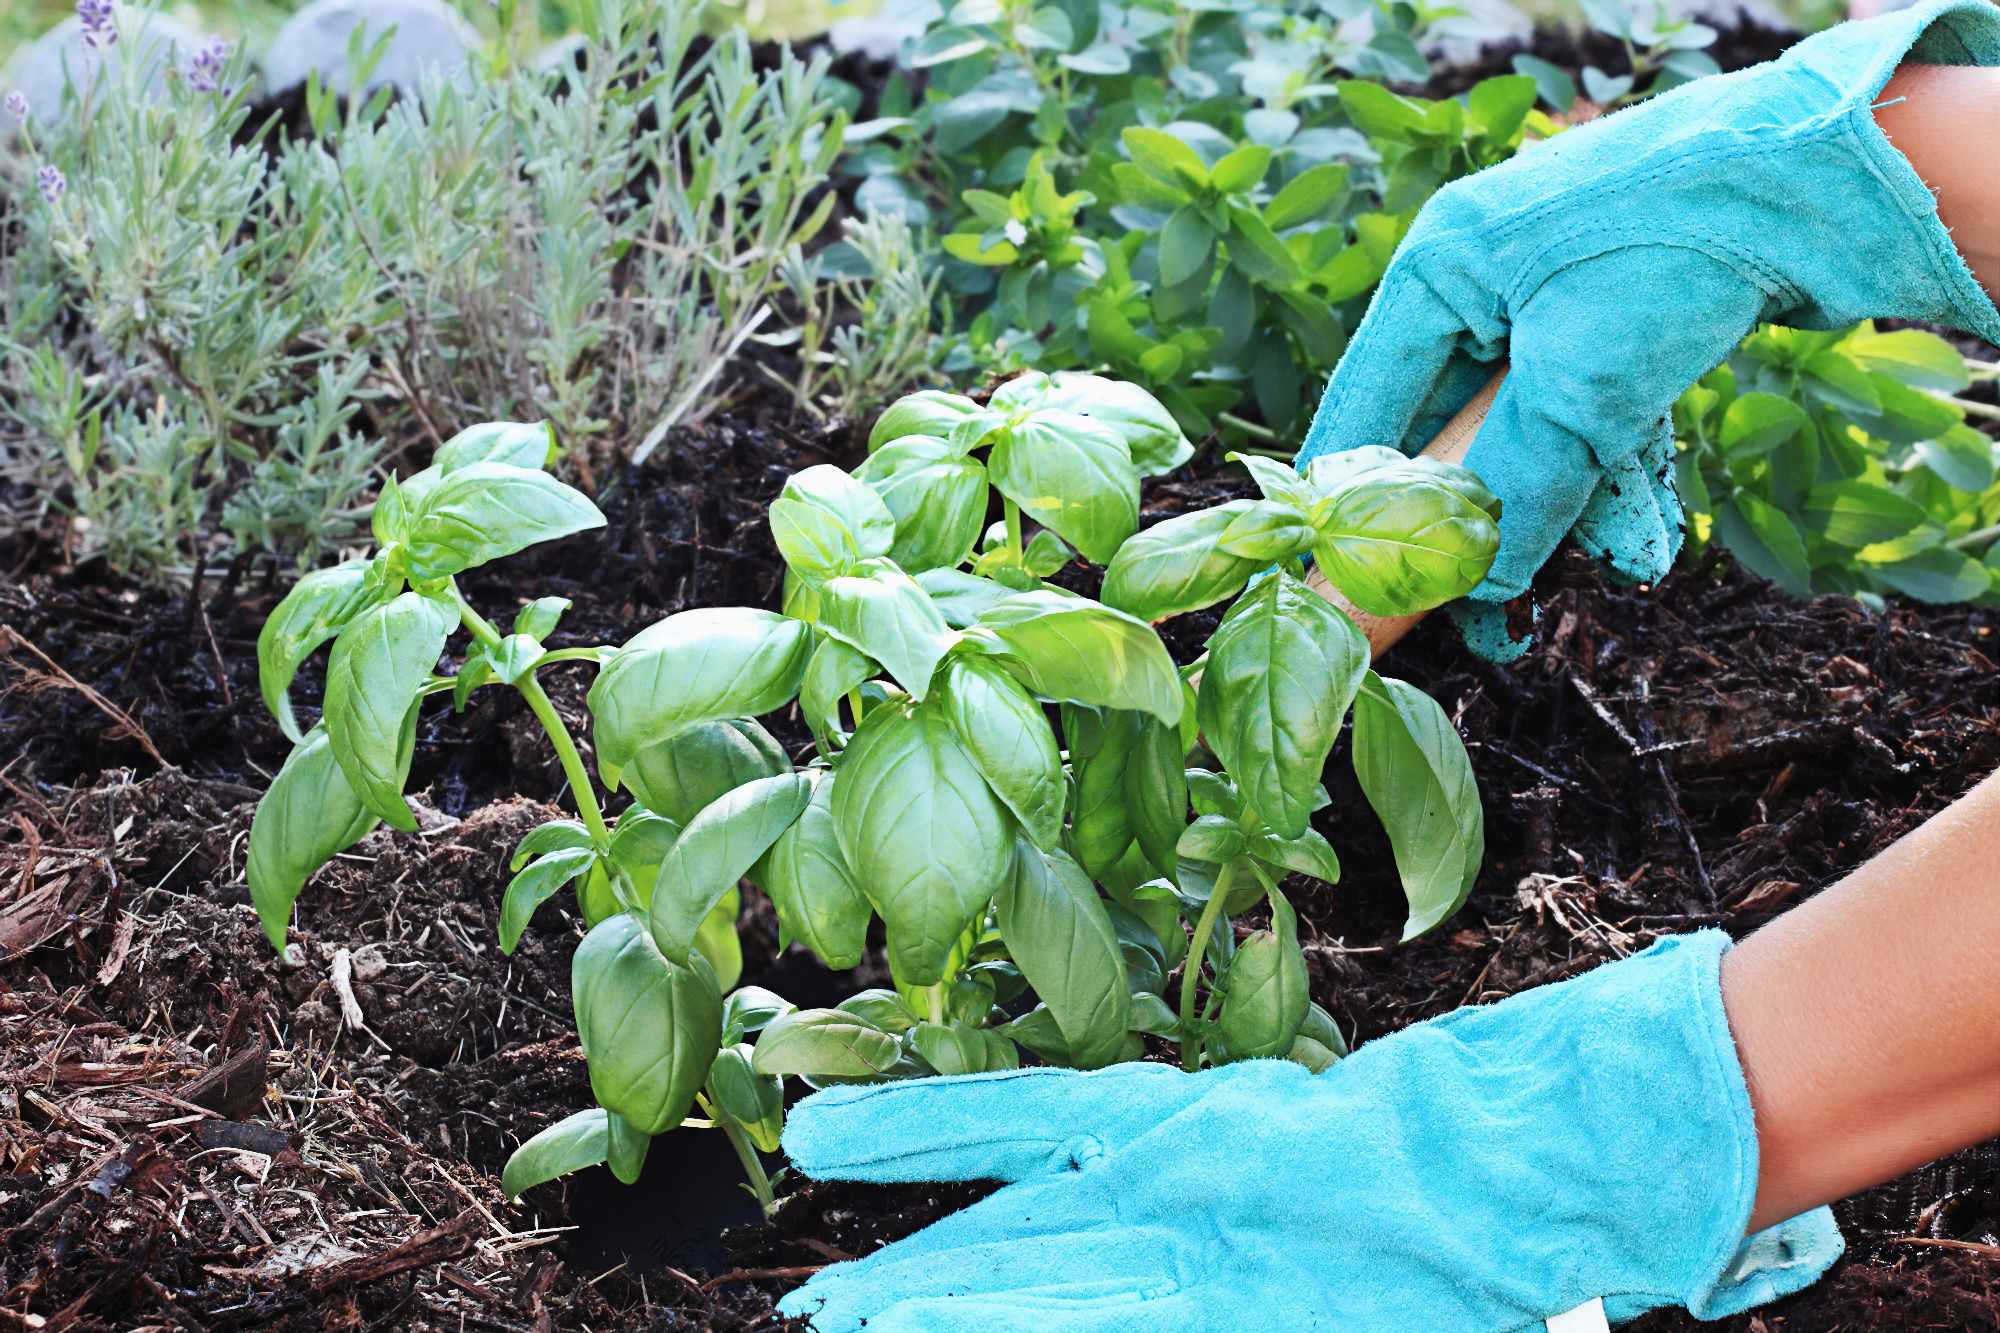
{"points": [[204, 71], [51, 183], [100, 27], [17, 105], [208, 342]]}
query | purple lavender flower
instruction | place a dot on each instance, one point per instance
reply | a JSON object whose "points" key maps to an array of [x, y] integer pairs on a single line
{"points": [[203, 70], [52, 183], [99, 26], [17, 104]]}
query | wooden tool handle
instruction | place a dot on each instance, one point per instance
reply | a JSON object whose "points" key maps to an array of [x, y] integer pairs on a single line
{"points": [[1449, 446]]}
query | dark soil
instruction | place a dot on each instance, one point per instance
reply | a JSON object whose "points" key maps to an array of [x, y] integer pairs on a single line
{"points": [[188, 1124]]}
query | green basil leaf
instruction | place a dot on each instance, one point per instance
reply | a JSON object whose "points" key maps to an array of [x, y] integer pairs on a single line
{"points": [[1281, 673], [1399, 542], [1277, 480], [545, 838], [1264, 991], [1073, 474], [315, 610], [309, 815], [1151, 1015], [625, 1148], [1083, 652], [749, 1009], [716, 848], [716, 940], [825, 1043], [938, 498], [807, 879], [1414, 770], [381, 660], [534, 886], [513, 657], [482, 511], [957, 1049], [882, 1008], [396, 504], [524, 445], [754, 1101], [1039, 1032], [1008, 739], [848, 502], [648, 1027], [571, 1144], [642, 839], [834, 670], [1046, 554], [539, 618], [1319, 1026], [1212, 793], [1061, 937], [1101, 743], [1179, 565], [926, 838], [1156, 792], [929, 412], [813, 543], [1308, 854], [697, 666], [1211, 838], [1153, 437], [961, 597], [1269, 530], [884, 614], [680, 776]]}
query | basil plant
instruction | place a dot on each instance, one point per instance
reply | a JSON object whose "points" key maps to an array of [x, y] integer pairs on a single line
{"points": [[1395, 536]]}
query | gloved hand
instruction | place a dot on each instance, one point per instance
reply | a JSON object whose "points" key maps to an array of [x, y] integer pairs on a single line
{"points": [[1624, 259], [1475, 1173]]}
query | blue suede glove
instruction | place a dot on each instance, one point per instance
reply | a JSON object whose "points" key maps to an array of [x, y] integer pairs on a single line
{"points": [[1472, 1174], [1621, 261]]}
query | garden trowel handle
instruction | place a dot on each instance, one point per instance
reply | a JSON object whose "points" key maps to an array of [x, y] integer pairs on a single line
{"points": [[1449, 446]]}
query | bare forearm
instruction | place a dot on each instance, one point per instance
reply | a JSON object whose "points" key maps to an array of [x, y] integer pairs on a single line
{"points": [[1868, 1019], [1946, 120]]}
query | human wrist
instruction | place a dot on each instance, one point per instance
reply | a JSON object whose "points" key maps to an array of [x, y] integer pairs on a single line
{"points": [[1945, 119]]}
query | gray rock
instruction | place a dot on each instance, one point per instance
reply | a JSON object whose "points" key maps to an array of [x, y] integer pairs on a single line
{"points": [[40, 70], [882, 34], [428, 37]]}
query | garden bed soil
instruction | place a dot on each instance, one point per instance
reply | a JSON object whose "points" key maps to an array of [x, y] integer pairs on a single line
{"points": [[192, 1136]]}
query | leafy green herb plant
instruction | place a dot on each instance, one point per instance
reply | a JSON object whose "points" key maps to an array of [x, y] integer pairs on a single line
{"points": [[1036, 875], [1200, 198], [1843, 462], [1664, 52], [1394, 535]]}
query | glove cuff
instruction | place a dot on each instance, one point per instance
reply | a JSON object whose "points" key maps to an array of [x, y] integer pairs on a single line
{"points": [[1857, 59]]}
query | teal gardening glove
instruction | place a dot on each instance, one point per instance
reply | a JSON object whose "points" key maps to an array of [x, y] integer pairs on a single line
{"points": [[1476, 1173], [1624, 259]]}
